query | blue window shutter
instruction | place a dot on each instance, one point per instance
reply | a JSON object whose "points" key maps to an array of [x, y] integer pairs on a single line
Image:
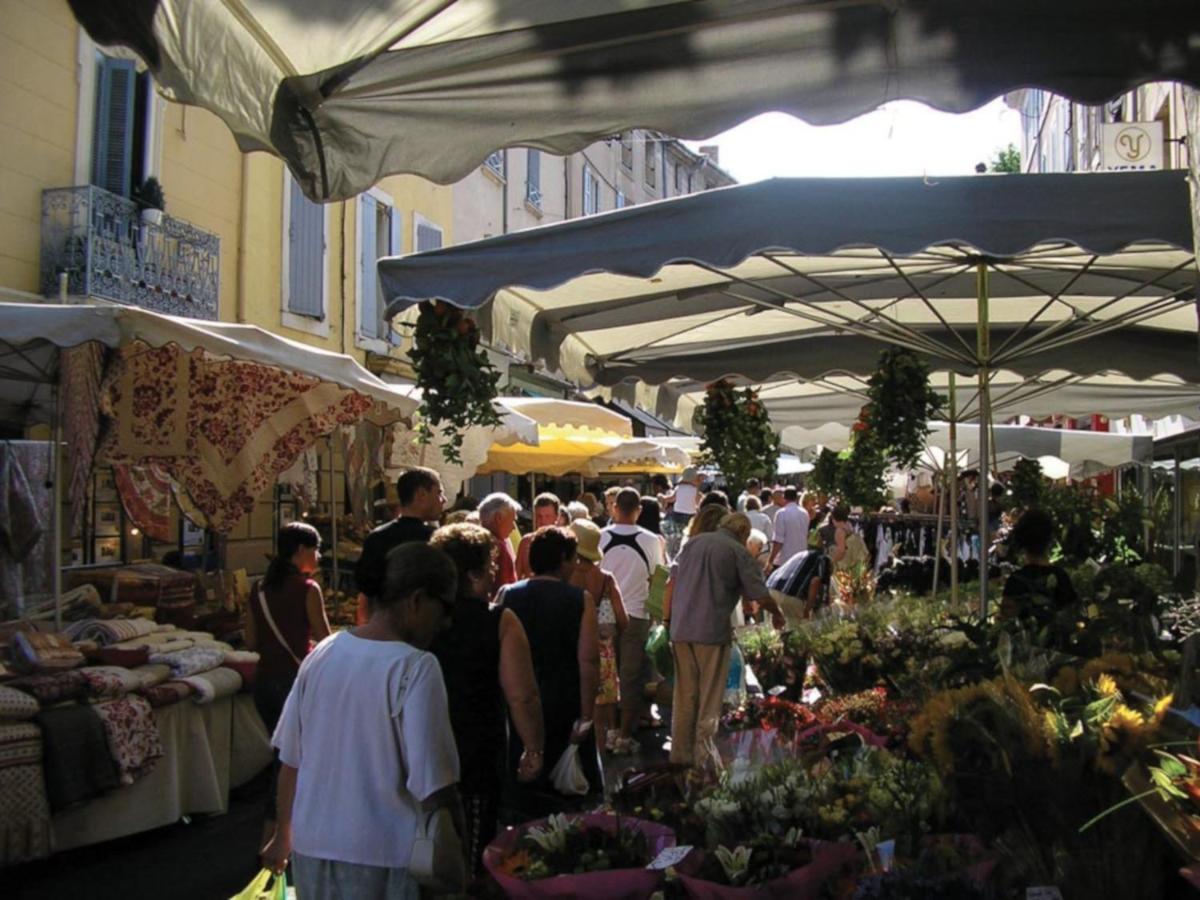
{"points": [[368, 290], [394, 248], [306, 255], [533, 177], [429, 237], [112, 133]]}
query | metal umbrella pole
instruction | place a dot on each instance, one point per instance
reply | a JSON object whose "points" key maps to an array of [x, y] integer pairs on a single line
{"points": [[952, 476], [937, 541], [333, 522], [985, 417]]}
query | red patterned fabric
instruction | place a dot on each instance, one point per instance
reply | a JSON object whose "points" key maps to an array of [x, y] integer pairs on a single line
{"points": [[223, 429], [146, 495], [133, 738], [80, 369]]}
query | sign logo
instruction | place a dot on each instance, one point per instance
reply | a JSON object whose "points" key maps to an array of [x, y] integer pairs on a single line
{"points": [[1133, 144]]}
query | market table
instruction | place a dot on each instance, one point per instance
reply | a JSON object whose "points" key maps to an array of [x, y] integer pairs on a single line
{"points": [[207, 749]]}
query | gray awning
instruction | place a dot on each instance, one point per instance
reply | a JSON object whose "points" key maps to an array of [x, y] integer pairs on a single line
{"points": [[808, 276], [348, 91]]}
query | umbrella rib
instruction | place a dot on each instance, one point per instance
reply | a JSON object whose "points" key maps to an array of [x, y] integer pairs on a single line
{"points": [[261, 36], [999, 352], [626, 355], [931, 346], [916, 290]]}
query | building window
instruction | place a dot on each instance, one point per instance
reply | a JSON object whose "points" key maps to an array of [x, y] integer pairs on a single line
{"points": [[627, 150], [495, 163], [591, 192], [426, 234], [651, 149], [680, 179], [304, 269], [621, 201], [378, 236], [120, 127], [533, 178]]}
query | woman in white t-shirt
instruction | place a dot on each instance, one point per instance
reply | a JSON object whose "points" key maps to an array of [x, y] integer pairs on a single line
{"points": [[365, 742], [685, 499]]}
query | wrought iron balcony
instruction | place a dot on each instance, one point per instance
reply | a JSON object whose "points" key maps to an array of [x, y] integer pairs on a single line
{"points": [[100, 241]]}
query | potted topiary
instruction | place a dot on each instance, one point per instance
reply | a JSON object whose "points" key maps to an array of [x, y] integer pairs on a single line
{"points": [[150, 201]]}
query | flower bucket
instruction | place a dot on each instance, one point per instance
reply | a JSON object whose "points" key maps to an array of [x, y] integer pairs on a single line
{"points": [[616, 884], [804, 883]]}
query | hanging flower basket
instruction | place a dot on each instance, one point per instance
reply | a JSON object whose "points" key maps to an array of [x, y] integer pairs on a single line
{"points": [[512, 856], [738, 435]]}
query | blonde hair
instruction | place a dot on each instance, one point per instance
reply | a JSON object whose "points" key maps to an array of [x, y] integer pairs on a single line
{"points": [[707, 519], [738, 525]]}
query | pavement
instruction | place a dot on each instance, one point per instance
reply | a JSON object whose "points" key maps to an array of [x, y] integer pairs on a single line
{"points": [[206, 858]]}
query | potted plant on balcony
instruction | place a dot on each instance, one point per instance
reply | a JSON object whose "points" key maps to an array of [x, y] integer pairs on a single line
{"points": [[150, 201]]}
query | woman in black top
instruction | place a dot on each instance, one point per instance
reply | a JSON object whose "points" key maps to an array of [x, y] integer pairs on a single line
{"points": [[560, 620], [1039, 595], [486, 664]]}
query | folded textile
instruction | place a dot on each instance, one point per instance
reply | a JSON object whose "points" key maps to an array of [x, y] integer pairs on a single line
{"points": [[190, 661], [167, 693], [172, 646], [108, 682], [215, 684], [15, 705], [20, 744], [153, 639], [127, 657], [110, 631], [51, 687], [77, 761], [42, 651], [25, 831], [241, 656], [214, 644], [151, 674], [133, 739]]}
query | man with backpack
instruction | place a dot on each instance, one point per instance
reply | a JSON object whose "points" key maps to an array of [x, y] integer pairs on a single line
{"points": [[631, 554]]}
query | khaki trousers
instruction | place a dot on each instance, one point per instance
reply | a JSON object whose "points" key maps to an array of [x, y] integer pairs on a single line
{"points": [[701, 671]]}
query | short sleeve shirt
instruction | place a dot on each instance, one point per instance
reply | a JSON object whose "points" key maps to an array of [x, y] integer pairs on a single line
{"points": [[713, 572], [368, 727], [371, 570], [631, 569], [791, 530]]}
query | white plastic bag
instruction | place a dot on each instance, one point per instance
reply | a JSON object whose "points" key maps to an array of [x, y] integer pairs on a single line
{"points": [[567, 775]]}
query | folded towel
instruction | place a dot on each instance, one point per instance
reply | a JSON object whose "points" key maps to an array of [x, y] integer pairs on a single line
{"points": [[214, 644], [20, 744], [52, 687], [133, 740], [241, 656], [151, 674], [77, 763], [215, 684], [109, 682], [16, 706], [110, 631], [190, 661], [167, 693]]}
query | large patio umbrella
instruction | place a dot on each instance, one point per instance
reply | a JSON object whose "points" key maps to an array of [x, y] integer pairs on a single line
{"points": [[973, 274], [348, 91]]}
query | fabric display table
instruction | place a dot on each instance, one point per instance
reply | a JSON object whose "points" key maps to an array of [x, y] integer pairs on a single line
{"points": [[207, 749]]}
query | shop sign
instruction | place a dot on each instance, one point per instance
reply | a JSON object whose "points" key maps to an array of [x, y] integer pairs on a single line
{"points": [[1131, 146]]}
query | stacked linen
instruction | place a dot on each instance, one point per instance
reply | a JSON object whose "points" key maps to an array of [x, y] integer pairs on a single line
{"points": [[111, 631], [151, 675], [191, 661], [25, 812], [108, 682], [166, 693], [79, 765], [214, 684]]}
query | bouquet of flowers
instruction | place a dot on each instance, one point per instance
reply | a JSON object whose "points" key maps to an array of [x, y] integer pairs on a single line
{"points": [[589, 856]]}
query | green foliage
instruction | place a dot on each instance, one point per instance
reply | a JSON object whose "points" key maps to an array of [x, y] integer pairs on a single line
{"points": [[149, 195], [1007, 161], [457, 380], [827, 472], [1028, 484], [860, 475], [738, 436], [902, 403]]}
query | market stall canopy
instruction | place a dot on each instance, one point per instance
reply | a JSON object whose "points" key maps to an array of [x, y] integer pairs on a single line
{"points": [[1085, 452], [220, 408], [820, 411], [768, 278], [349, 91]]}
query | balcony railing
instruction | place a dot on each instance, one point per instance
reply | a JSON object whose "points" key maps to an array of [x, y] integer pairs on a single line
{"points": [[100, 241]]}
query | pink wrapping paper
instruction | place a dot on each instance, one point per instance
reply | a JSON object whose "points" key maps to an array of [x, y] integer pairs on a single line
{"points": [[618, 884], [804, 883]]}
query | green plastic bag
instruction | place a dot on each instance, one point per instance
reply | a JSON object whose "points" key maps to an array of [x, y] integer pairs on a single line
{"points": [[262, 888], [658, 587], [658, 648]]}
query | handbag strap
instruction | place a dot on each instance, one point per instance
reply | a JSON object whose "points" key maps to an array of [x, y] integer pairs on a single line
{"points": [[262, 602]]}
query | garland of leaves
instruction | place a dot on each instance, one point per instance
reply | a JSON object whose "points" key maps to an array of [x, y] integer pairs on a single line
{"points": [[902, 403], [1027, 484], [854, 475], [456, 378], [738, 436]]}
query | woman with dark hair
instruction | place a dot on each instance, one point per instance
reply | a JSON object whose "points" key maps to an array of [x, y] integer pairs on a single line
{"points": [[650, 518], [285, 616], [365, 742], [561, 623], [1038, 594], [486, 663]]}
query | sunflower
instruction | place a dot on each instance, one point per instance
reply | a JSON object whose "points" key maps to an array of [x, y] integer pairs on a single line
{"points": [[1105, 685]]}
